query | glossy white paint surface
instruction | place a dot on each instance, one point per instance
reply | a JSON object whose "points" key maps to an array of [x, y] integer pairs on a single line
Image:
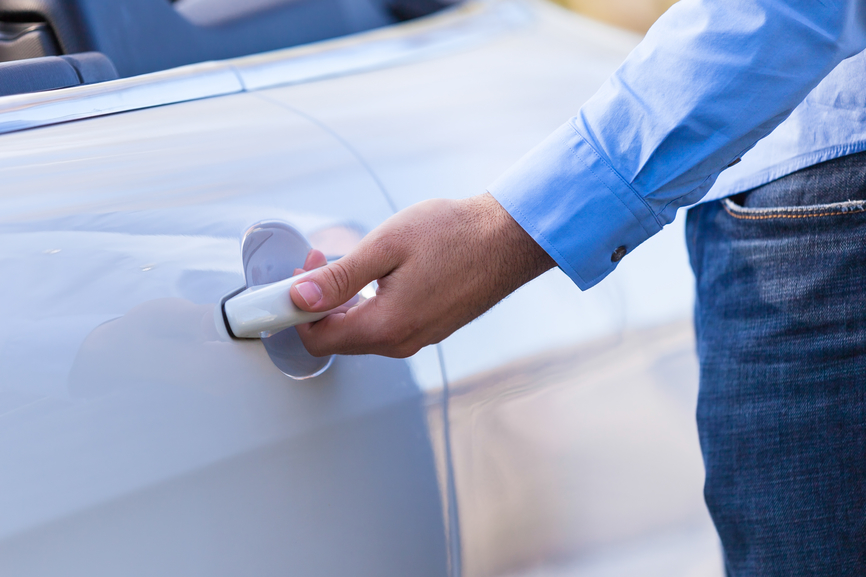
{"points": [[134, 439], [206, 80]]}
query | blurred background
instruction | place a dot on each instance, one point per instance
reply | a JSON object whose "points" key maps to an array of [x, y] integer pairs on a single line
{"points": [[636, 15]]}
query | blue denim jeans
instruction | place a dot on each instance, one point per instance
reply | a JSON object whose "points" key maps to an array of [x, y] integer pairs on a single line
{"points": [[781, 330]]}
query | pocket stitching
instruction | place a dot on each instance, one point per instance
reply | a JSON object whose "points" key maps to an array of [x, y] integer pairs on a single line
{"points": [[812, 211]]}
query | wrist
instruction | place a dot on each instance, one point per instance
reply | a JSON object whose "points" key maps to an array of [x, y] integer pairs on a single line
{"points": [[514, 251]]}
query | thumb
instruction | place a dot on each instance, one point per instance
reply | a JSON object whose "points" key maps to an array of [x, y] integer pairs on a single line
{"points": [[335, 283]]}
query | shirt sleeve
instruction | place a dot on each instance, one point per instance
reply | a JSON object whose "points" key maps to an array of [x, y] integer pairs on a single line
{"points": [[710, 79]]}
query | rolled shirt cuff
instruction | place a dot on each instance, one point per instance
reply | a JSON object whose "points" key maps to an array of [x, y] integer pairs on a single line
{"points": [[576, 206]]}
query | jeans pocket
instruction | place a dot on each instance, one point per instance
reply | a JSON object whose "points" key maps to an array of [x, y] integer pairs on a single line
{"points": [[845, 208]]}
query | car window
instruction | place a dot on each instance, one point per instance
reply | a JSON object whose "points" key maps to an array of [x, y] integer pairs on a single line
{"points": [[141, 36]]}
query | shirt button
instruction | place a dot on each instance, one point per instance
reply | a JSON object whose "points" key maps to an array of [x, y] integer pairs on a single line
{"points": [[618, 254]]}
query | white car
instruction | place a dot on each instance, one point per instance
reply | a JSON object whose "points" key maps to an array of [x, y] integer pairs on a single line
{"points": [[552, 436]]}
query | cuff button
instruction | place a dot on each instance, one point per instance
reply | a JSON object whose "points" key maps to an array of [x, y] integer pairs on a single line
{"points": [[618, 254]]}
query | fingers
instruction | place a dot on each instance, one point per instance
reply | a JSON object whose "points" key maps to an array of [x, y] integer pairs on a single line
{"points": [[333, 284], [362, 329], [315, 259]]}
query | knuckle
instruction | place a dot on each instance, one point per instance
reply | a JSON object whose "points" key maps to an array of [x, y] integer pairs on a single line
{"points": [[387, 247], [399, 342], [313, 343], [398, 336], [395, 341], [385, 340], [339, 278], [406, 350], [311, 346]]}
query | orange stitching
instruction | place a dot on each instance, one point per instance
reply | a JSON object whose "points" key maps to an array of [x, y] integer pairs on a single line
{"points": [[807, 215]]}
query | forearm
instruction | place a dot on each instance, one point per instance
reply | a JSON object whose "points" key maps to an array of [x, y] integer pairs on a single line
{"points": [[710, 79]]}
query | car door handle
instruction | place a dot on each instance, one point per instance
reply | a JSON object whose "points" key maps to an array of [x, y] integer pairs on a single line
{"points": [[263, 310]]}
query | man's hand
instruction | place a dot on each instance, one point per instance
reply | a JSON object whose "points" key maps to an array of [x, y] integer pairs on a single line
{"points": [[439, 264]]}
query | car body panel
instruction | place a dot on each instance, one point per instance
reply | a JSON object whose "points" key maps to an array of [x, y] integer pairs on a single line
{"points": [[134, 438]]}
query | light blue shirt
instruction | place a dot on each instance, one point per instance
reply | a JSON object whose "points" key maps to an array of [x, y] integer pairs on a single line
{"points": [[711, 79]]}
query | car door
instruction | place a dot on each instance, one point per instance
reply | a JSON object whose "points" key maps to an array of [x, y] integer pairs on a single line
{"points": [[136, 437]]}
